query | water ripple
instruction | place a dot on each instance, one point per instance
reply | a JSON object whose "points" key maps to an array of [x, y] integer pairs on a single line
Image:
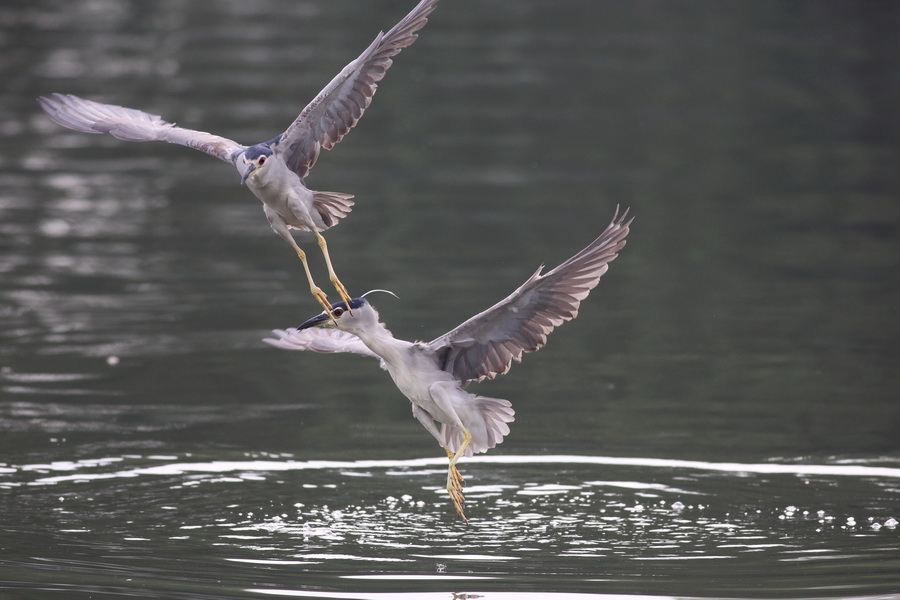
{"points": [[534, 519], [269, 466]]}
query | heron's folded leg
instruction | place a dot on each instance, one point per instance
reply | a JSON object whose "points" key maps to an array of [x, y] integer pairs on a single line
{"points": [[454, 479], [317, 292], [341, 290], [283, 231]]}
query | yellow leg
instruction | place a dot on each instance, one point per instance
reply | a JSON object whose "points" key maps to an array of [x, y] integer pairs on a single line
{"points": [[317, 292], [455, 481], [341, 290]]}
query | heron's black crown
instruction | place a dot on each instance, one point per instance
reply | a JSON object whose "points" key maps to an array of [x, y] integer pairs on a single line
{"points": [[254, 152], [354, 303]]}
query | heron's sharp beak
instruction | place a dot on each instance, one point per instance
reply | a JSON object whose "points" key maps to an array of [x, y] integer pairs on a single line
{"points": [[250, 168], [322, 320]]}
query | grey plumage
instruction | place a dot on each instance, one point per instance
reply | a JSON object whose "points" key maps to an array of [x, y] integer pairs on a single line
{"points": [[132, 125], [486, 345], [433, 375]]}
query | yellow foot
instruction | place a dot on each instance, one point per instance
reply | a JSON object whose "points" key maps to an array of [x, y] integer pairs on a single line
{"points": [[459, 501], [320, 296], [455, 483], [342, 292], [457, 477]]}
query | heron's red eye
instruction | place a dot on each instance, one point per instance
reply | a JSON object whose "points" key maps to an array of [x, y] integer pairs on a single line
{"points": [[337, 311], [262, 160]]}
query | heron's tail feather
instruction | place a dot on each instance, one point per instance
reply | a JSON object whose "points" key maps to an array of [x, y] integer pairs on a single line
{"points": [[488, 429], [332, 206]]}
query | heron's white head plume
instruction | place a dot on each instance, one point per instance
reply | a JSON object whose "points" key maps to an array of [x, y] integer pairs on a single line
{"points": [[385, 291]]}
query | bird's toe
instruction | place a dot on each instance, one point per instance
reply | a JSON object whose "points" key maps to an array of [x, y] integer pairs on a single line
{"points": [[459, 502]]}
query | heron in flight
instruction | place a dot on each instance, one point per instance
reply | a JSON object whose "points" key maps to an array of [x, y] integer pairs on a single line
{"points": [[273, 170], [434, 375]]}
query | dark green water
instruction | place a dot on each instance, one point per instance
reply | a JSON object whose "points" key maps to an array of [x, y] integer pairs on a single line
{"points": [[722, 419]]}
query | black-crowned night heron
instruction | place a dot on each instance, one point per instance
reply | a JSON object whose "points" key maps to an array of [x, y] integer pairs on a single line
{"points": [[433, 375], [273, 170]]}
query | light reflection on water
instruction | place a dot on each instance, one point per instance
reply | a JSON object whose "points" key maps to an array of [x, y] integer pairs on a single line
{"points": [[357, 468]]}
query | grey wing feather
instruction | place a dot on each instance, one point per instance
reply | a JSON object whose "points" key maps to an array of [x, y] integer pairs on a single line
{"points": [[485, 345], [328, 341], [337, 108], [132, 125]]}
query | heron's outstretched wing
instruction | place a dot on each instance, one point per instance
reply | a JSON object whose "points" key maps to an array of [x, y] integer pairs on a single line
{"points": [[340, 105], [485, 345], [318, 339], [131, 125]]}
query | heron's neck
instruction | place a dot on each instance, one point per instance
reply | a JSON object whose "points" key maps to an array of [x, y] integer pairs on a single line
{"points": [[383, 343]]}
